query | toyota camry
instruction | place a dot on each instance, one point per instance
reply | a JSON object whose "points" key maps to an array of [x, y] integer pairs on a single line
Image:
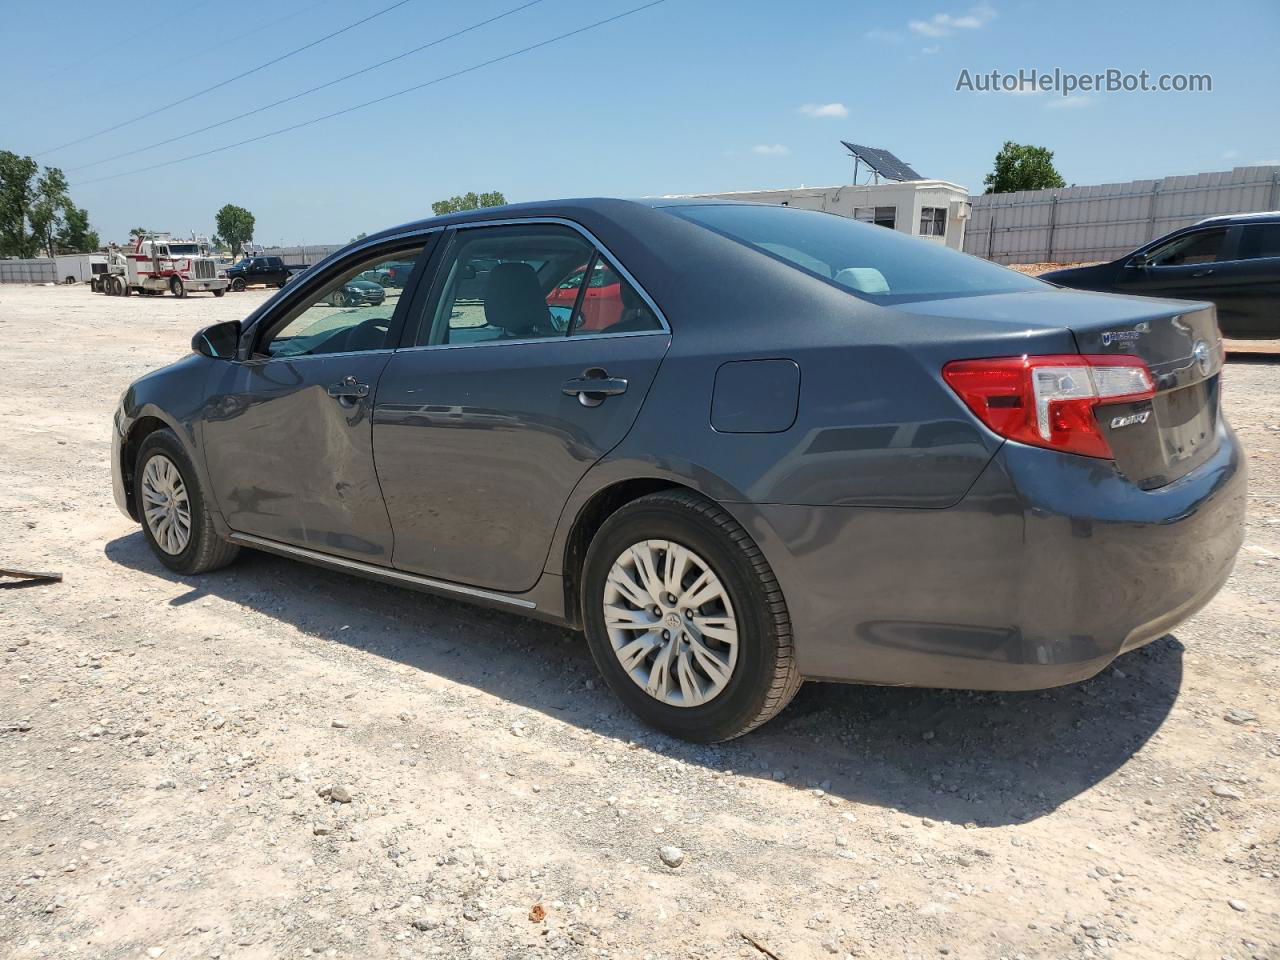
{"points": [[796, 446]]}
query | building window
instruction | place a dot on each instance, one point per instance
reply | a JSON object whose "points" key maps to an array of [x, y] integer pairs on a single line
{"points": [[880, 216], [933, 221]]}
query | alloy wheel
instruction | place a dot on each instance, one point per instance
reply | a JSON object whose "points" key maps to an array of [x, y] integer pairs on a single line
{"points": [[671, 623], [166, 506]]}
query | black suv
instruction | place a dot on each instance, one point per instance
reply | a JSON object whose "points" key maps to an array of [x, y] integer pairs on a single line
{"points": [[270, 271], [1233, 261]]}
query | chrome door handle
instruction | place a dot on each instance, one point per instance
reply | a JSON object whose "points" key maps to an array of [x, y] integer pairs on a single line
{"points": [[349, 389], [593, 386], [1203, 273]]}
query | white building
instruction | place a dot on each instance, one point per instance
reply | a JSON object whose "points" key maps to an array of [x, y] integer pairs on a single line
{"points": [[933, 209]]}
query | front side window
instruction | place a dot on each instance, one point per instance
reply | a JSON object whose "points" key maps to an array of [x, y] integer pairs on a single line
{"points": [[1189, 249], [1260, 240], [881, 266], [933, 221], [350, 313], [880, 216], [528, 283]]}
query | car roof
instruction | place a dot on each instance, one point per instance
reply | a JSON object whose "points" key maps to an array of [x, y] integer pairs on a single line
{"points": [[612, 206], [1265, 216]]}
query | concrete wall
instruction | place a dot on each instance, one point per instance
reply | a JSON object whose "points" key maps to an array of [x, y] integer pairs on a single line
{"points": [[908, 198], [1105, 221]]}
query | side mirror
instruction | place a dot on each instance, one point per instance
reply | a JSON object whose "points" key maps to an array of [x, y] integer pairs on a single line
{"points": [[1140, 262], [219, 341]]}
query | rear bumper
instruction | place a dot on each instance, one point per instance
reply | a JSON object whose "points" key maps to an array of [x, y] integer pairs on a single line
{"points": [[1044, 573]]}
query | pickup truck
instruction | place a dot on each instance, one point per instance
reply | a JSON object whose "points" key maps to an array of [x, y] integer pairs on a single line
{"points": [[270, 271]]}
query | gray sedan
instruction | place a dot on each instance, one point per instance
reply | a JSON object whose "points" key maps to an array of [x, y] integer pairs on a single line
{"points": [[761, 445]]}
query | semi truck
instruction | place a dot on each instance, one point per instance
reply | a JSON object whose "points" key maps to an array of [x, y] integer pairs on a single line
{"points": [[158, 263]]}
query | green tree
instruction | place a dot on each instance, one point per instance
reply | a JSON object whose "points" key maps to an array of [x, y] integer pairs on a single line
{"points": [[235, 226], [16, 198], [137, 232], [46, 213], [359, 236], [76, 235], [468, 201], [1021, 166]]}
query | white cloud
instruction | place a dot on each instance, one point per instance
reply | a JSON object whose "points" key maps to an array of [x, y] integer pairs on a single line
{"points": [[929, 51], [824, 110], [941, 24], [1073, 102], [770, 150]]}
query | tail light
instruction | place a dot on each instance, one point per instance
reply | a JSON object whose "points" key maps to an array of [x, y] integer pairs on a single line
{"points": [[1049, 401]]}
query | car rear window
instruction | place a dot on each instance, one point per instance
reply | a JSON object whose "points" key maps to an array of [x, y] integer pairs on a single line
{"points": [[870, 262]]}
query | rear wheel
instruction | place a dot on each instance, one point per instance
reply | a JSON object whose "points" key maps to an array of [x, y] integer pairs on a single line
{"points": [[172, 508], [686, 620]]}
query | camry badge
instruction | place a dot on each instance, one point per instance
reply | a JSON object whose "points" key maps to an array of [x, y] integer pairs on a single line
{"points": [[1201, 352]]}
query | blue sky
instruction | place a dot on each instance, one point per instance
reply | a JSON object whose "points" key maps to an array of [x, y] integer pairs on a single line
{"points": [[688, 96]]}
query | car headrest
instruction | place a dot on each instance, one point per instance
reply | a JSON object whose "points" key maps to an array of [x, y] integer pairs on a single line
{"points": [[513, 298]]}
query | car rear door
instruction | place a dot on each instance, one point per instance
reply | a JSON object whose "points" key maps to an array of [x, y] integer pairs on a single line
{"points": [[501, 401], [1248, 284], [288, 432]]}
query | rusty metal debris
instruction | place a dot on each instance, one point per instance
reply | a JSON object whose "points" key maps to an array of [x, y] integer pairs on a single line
{"points": [[30, 575]]}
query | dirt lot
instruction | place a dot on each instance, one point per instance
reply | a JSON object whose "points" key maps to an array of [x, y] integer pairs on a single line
{"points": [[276, 761]]}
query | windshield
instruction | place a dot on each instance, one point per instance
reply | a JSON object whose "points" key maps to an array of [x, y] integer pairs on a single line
{"points": [[870, 262], [184, 249]]}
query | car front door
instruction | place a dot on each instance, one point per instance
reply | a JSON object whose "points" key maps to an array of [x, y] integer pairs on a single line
{"points": [[288, 432], [502, 400], [1183, 267]]}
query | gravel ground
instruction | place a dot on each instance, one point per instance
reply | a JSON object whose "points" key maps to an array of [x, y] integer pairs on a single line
{"points": [[276, 761]]}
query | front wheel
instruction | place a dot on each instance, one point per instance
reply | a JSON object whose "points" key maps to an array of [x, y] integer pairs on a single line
{"points": [[219, 292], [177, 287], [172, 508], [686, 620], [238, 284]]}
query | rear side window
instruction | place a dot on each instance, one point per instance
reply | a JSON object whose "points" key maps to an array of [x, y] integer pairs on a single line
{"points": [[881, 266], [1260, 240]]}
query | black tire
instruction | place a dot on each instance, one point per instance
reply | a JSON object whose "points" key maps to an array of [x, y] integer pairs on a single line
{"points": [[765, 677], [205, 550], [238, 284], [127, 290], [177, 287], [220, 292], [339, 299]]}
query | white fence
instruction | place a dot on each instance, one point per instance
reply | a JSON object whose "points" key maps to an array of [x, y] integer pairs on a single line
{"points": [[43, 270], [305, 255], [1102, 222]]}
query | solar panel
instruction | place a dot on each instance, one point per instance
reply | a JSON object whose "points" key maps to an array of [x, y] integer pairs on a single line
{"points": [[882, 162]]}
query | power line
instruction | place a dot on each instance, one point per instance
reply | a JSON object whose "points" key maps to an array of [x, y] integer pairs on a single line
{"points": [[382, 99], [296, 96], [216, 86]]}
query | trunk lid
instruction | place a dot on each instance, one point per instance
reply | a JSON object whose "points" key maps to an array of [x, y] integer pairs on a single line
{"points": [[1157, 441]]}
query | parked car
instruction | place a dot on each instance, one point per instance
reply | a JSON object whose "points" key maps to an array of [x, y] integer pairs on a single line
{"points": [[357, 292], [601, 304], [270, 271], [805, 447], [395, 274], [1232, 261]]}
